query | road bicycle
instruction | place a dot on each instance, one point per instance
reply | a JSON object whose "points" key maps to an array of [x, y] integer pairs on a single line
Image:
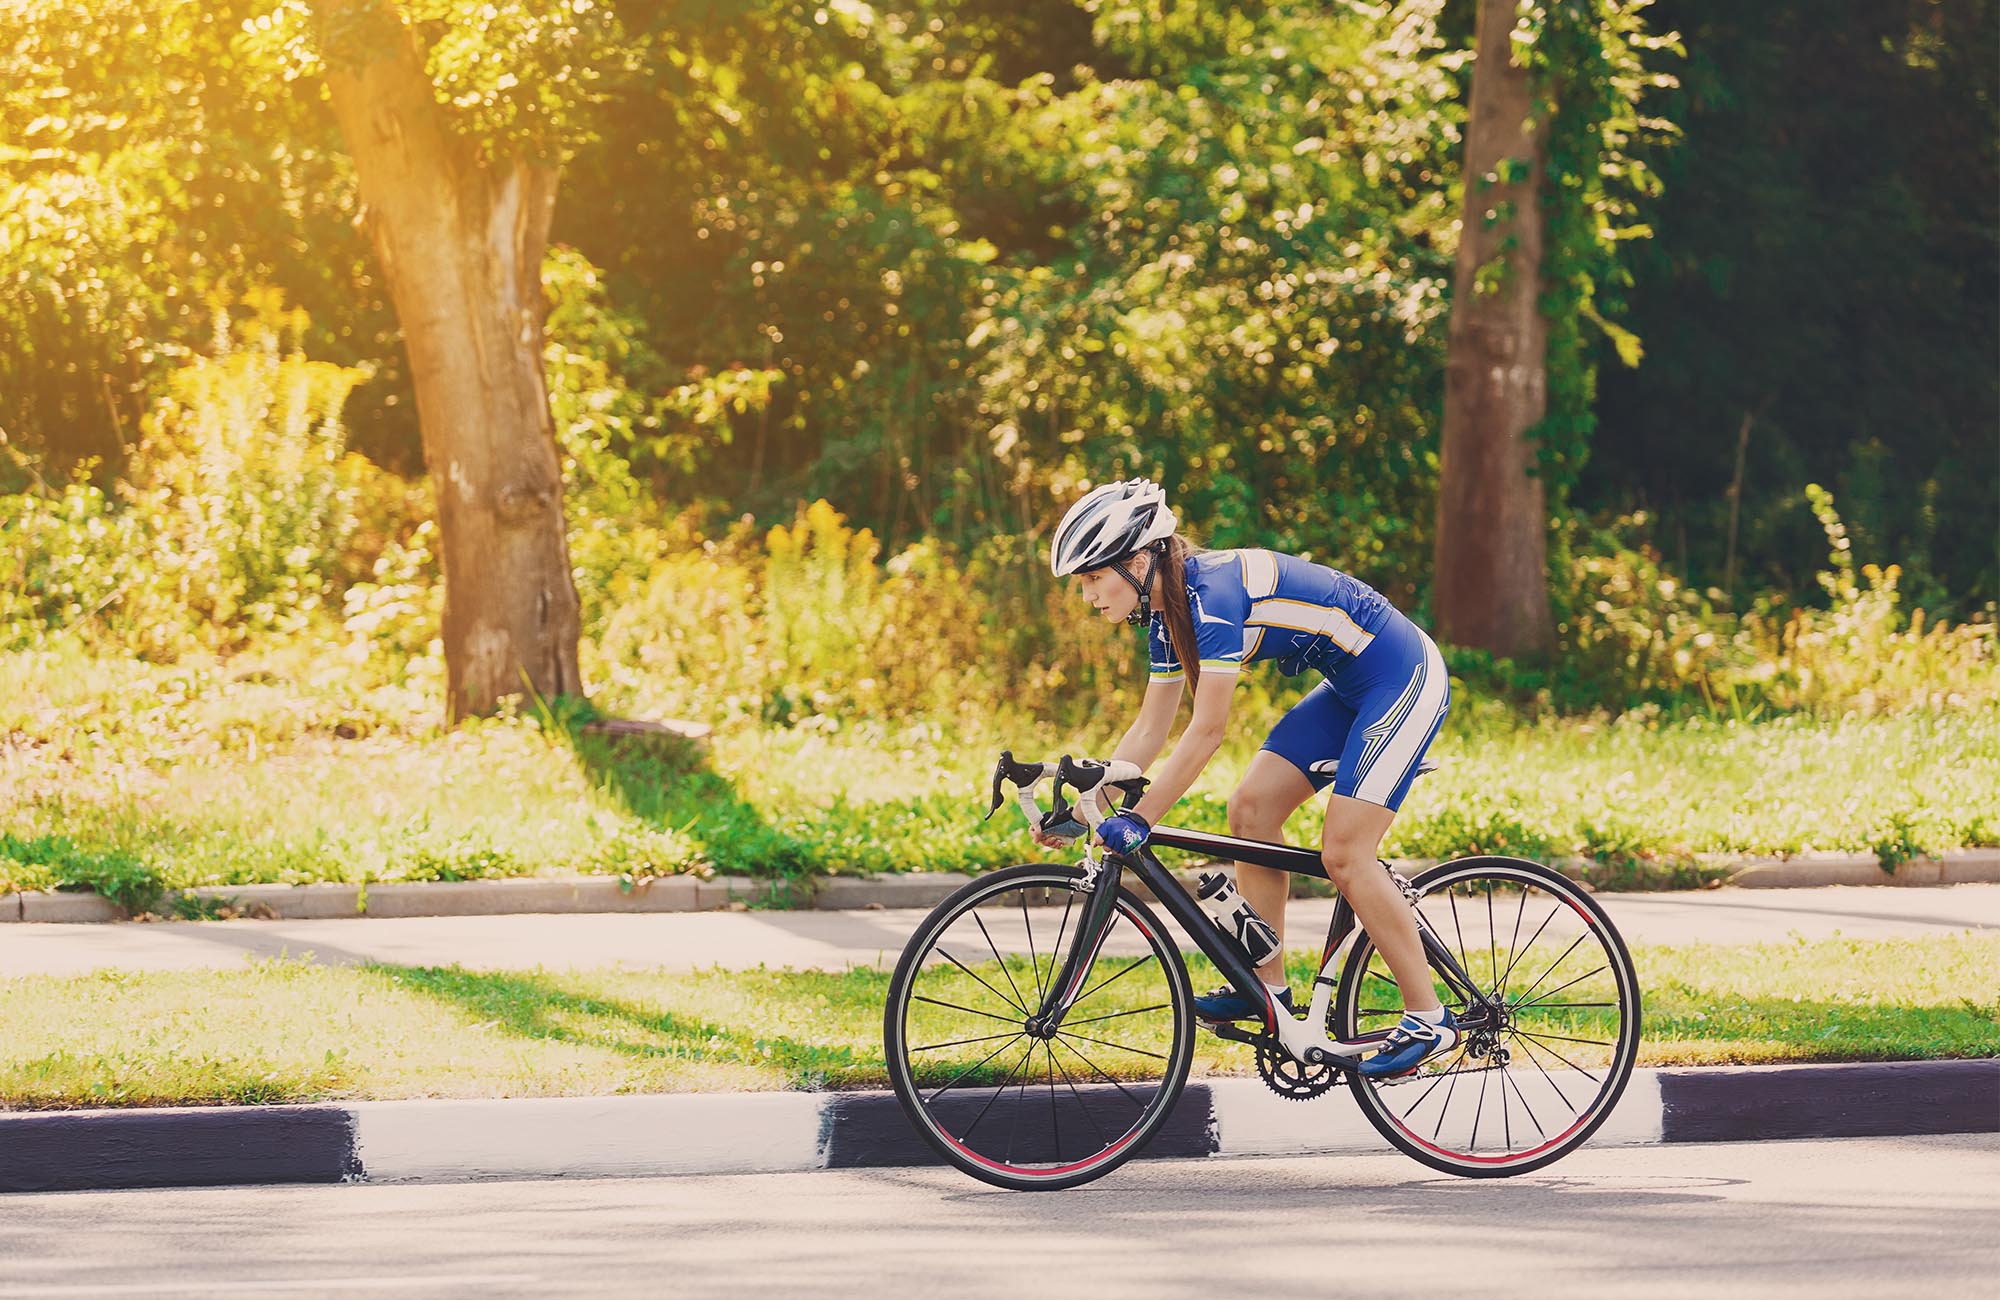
{"points": [[1040, 1026]]}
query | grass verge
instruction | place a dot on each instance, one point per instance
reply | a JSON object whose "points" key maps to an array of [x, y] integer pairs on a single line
{"points": [[282, 1031], [134, 780]]}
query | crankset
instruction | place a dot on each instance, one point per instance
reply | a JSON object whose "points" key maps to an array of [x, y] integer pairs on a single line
{"points": [[1292, 1079]]}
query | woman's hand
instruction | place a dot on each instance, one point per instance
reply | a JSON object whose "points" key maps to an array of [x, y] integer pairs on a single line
{"points": [[1124, 833], [1063, 834]]}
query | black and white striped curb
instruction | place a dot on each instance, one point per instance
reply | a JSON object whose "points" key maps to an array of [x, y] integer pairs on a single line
{"points": [[741, 1133]]}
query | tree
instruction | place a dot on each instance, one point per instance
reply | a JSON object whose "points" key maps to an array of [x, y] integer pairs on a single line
{"points": [[1490, 587], [1551, 193], [459, 224]]}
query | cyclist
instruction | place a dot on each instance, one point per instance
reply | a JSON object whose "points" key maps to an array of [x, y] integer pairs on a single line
{"points": [[1361, 731]]}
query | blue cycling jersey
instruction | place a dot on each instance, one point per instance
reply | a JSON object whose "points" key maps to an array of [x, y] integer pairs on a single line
{"points": [[1253, 605]]}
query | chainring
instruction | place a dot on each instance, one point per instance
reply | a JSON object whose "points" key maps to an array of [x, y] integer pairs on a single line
{"points": [[1294, 1080]]}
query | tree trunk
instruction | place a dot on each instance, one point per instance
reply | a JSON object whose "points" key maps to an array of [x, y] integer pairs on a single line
{"points": [[1492, 540], [460, 241]]}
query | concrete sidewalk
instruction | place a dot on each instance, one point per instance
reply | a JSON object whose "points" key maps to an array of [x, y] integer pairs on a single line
{"points": [[836, 940]]}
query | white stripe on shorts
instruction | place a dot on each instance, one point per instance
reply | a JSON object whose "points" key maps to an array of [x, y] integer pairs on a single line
{"points": [[1406, 744]]}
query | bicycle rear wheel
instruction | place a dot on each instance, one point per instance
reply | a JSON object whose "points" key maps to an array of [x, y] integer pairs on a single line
{"points": [[1000, 1103], [1552, 1024]]}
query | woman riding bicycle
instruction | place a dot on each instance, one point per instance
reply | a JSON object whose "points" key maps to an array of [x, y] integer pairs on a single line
{"points": [[1362, 731]]}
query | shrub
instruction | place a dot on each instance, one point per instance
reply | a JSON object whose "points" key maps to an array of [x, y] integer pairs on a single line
{"points": [[242, 517]]}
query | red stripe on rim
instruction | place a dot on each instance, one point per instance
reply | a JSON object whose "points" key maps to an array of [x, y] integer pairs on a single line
{"points": [[1529, 1154]]}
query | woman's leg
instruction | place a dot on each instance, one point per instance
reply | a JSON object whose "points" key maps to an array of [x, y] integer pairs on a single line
{"points": [[1351, 846], [1401, 693], [1269, 793]]}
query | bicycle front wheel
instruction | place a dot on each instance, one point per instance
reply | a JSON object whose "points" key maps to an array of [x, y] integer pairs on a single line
{"points": [[1551, 1021], [1007, 1106]]}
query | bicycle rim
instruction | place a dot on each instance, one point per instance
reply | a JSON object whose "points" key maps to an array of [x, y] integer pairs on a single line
{"points": [[1556, 1022], [1007, 1107]]}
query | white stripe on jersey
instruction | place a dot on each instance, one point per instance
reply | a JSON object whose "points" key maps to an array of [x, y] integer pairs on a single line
{"points": [[1396, 758]]}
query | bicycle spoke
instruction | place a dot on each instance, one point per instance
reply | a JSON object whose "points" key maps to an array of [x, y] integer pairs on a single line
{"points": [[1061, 932], [1095, 1069], [1500, 987], [1119, 975], [1113, 1015], [1560, 987], [1055, 1119], [1449, 1070], [1492, 945], [1081, 1104], [1565, 1038], [997, 1093], [1536, 1062], [1020, 1105], [1034, 958], [1508, 1078], [1520, 953], [1452, 898], [1559, 1056], [1140, 1051], [988, 987], [970, 1068], [1020, 1003], [1005, 1020], [1478, 1108], [1444, 1107], [1552, 965], [961, 1042], [1541, 1005]]}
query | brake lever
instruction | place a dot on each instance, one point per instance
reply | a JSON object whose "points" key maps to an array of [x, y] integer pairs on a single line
{"points": [[1024, 777]]}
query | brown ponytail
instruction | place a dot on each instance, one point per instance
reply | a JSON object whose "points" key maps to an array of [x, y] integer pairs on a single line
{"points": [[1174, 606]]}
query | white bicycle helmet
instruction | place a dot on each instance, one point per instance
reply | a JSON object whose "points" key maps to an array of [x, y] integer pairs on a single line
{"points": [[1112, 523], [1108, 524]]}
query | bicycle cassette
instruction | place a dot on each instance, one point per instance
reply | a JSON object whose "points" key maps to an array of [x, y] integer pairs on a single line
{"points": [[1291, 1079]]}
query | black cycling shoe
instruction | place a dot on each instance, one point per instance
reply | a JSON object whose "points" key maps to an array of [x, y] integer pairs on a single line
{"points": [[1226, 1003]]}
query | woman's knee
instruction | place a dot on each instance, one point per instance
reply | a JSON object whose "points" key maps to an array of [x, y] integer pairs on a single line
{"points": [[1341, 860], [1254, 813]]}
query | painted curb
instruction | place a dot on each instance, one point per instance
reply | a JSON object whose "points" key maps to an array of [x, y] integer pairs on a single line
{"points": [[743, 1133], [569, 894]]}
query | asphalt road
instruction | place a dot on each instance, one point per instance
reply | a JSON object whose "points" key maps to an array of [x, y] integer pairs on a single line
{"points": [[834, 940], [1865, 1218]]}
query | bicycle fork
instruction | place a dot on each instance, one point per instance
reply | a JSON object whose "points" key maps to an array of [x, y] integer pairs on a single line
{"points": [[1099, 887]]}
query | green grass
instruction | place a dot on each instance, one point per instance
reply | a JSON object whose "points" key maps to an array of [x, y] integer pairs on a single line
{"points": [[131, 778], [290, 1031]]}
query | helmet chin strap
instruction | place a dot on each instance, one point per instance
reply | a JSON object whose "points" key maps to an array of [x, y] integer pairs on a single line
{"points": [[1144, 586]]}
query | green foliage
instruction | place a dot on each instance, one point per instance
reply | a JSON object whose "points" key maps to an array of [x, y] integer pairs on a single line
{"points": [[1824, 285], [57, 862], [241, 513], [1632, 635], [1589, 63], [149, 164]]}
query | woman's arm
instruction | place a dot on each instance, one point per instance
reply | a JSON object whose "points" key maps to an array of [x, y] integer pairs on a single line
{"points": [[1147, 735], [1197, 744]]}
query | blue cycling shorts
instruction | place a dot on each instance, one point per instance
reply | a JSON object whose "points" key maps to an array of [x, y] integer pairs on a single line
{"points": [[1364, 730]]}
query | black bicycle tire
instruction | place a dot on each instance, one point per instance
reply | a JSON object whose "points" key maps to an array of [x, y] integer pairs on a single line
{"points": [[1624, 1059], [1171, 1085]]}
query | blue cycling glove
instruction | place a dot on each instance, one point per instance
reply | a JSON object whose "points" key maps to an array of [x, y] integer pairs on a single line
{"points": [[1124, 833]]}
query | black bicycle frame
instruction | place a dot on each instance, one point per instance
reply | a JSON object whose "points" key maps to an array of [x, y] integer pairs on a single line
{"points": [[1227, 956]]}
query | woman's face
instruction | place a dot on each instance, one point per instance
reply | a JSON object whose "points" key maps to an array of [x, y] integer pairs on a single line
{"points": [[1109, 593]]}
